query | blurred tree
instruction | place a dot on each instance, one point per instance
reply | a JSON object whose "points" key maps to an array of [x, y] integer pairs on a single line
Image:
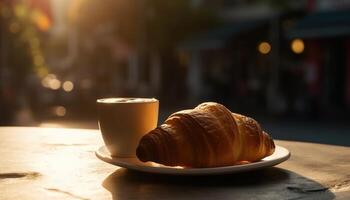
{"points": [[22, 27]]}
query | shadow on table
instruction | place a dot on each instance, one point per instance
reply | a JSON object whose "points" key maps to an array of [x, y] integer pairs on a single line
{"points": [[270, 183]]}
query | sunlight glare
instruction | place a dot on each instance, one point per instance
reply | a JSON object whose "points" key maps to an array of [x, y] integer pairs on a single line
{"points": [[153, 164]]}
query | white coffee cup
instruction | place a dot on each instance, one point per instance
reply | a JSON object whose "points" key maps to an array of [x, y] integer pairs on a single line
{"points": [[123, 121]]}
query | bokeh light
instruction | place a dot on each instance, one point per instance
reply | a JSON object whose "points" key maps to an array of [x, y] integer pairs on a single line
{"points": [[20, 10], [68, 86], [42, 21], [297, 46], [51, 81], [60, 111], [264, 47], [54, 84]]}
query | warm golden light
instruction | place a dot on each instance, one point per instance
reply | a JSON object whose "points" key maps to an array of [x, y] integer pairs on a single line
{"points": [[50, 81], [297, 46], [41, 71], [20, 10], [60, 111], [264, 48], [54, 84], [73, 12], [51, 76], [45, 82], [68, 86], [42, 21], [153, 164]]}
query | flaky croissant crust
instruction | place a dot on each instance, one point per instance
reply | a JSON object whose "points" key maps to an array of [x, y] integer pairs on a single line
{"points": [[206, 136]]}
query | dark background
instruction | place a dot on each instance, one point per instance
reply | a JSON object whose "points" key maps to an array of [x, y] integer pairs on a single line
{"points": [[285, 63]]}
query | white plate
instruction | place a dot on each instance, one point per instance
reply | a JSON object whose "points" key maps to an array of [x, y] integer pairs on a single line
{"points": [[281, 154]]}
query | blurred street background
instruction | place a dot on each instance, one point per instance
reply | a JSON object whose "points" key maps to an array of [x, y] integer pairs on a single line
{"points": [[284, 63]]}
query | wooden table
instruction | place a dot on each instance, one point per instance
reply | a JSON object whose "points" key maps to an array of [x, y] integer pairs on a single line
{"points": [[50, 163]]}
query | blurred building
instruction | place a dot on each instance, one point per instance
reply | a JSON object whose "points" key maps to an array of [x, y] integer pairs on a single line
{"points": [[291, 59], [239, 62], [326, 32]]}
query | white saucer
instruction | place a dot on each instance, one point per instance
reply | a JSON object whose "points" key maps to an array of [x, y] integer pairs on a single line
{"points": [[281, 154]]}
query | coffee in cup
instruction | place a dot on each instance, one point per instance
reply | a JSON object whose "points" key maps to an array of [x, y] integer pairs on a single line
{"points": [[123, 121]]}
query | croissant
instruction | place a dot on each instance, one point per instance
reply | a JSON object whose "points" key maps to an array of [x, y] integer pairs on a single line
{"points": [[206, 136]]}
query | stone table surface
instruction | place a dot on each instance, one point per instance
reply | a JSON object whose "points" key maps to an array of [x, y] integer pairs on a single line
{"points": [[56, 163]]}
